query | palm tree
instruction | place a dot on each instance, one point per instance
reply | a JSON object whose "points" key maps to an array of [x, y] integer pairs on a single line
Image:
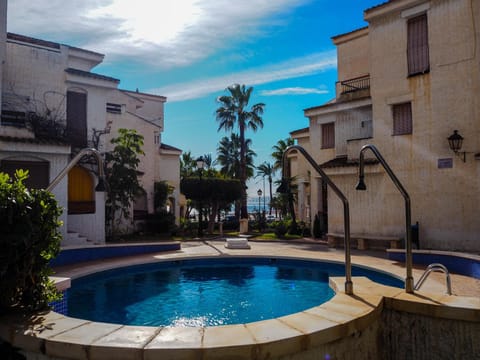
{"points": [[228, 155], [267, 170], [187, 164], [233, 113], [278, 151]]}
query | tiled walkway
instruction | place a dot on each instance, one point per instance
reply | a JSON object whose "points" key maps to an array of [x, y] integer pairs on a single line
{"points": [[461, 285]]}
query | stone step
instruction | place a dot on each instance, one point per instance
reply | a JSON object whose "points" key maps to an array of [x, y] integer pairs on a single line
{"points": [[75, 239]]}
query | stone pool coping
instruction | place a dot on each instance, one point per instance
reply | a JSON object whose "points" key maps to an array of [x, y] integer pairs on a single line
{"points": [[456, 262], [58, 336]]}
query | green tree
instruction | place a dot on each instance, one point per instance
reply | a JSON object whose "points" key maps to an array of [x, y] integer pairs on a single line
{"points": [[233, 113], [267, 170], [187, 164], [228, 156], [213, 193], [278, 151], [121, 175], [29, 219]]}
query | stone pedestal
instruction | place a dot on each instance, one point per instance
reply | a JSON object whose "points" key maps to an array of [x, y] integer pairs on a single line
{"points": [[243, 226]]}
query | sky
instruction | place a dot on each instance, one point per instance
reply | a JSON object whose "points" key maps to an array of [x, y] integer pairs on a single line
{"points": [[190, 51]]}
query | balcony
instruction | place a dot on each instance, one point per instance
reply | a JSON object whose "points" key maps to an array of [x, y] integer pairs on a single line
{"points": [[355, 88]]}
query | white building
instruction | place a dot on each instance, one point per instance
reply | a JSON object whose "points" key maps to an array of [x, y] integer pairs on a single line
{"points": [[78, 109]]}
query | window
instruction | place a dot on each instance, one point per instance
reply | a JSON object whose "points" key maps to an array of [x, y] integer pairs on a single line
{"points": [[81, 195], [114, 108], [328, 136], [38, 172], [13, 118], [417, 45], [77, 118], [402, 119]]}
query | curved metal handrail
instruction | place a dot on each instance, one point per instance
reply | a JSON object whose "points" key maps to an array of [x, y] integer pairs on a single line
{"points": [[409, 288], [439, 268], [101, 177], [346, 209]]}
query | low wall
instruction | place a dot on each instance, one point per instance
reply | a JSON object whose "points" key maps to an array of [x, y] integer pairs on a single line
{"points": [[98, 252]]}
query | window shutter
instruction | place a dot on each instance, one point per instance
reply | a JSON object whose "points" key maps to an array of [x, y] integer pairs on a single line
{"points": [[77, 119], [328, 136], [417, 45], [402, 119]]}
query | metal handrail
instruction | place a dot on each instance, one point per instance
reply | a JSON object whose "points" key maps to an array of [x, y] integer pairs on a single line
{"points": [[409, 288], [439, 268], [346, 210], [101, 178]]}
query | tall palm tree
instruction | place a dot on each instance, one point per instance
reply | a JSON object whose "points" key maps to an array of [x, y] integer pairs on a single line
{"points": [[233, 113], [267, 170], [228, 155], [278, 151]]}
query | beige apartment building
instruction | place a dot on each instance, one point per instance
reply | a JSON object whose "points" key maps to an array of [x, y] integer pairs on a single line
{"points": [[406, 83], [80, 109]]}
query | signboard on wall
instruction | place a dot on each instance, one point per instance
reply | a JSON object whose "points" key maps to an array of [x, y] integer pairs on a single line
{"points": [[445, 163]]}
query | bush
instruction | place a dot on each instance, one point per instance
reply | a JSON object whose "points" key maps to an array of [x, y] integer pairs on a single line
{"points": [[162, 222], [280, 229], [293, 229], [30, 239]]}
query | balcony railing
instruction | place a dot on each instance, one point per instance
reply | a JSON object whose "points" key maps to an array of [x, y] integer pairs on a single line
{"points": [[356, 84]]}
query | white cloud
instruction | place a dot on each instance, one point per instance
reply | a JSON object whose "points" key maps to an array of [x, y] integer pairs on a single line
{"points": [[295, 68], [293, 91], [162, 33]]}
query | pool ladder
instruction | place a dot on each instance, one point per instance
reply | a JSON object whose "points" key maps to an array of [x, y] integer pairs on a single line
{"points": [[438, 268]]}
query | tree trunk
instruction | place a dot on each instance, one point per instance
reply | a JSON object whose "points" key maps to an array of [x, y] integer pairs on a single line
{"points": [[243, 170]]}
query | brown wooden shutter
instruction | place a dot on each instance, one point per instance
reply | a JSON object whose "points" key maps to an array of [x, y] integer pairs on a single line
{"points": [[417, 45], [328, 136], [77, 119], [402, 119]]}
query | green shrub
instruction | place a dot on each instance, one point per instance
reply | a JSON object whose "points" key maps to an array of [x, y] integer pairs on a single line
{"points": [[162, 222], [280, 229], [29, 240]]}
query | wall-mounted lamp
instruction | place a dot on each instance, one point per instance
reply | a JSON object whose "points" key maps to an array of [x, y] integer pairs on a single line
{"points": [[455, 142]]}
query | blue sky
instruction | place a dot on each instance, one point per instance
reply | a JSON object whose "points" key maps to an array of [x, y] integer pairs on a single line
{"points": [[191, 50]]}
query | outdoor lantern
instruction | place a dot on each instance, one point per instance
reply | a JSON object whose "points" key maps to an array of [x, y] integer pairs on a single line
{"points": [[259, 192], [455, 142], [200, 163]]}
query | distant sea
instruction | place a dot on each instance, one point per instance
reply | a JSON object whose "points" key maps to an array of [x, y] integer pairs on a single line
{"points": [[252, 204]]}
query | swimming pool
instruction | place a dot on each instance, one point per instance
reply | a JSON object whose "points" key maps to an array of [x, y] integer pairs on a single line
{"points": [[207, 292]]}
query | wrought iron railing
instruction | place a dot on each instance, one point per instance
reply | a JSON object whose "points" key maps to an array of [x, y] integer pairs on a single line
{"points": [[356, 84]]}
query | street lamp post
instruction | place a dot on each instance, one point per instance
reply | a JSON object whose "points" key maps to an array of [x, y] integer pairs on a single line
{"points": [[200, 164], [259, 193]]}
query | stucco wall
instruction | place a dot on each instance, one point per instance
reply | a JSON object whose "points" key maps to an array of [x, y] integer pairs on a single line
{"points": [[443, 200]]}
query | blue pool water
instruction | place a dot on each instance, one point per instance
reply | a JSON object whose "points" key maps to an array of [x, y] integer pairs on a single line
{"points": [[207, 292]]}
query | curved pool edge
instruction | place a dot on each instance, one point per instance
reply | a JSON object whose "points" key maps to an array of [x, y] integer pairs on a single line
{"points": [[457, 262], [74, 255], [345, 323]]}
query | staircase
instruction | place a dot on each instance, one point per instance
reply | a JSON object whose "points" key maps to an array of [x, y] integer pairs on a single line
{"points": [[75, 239]]}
